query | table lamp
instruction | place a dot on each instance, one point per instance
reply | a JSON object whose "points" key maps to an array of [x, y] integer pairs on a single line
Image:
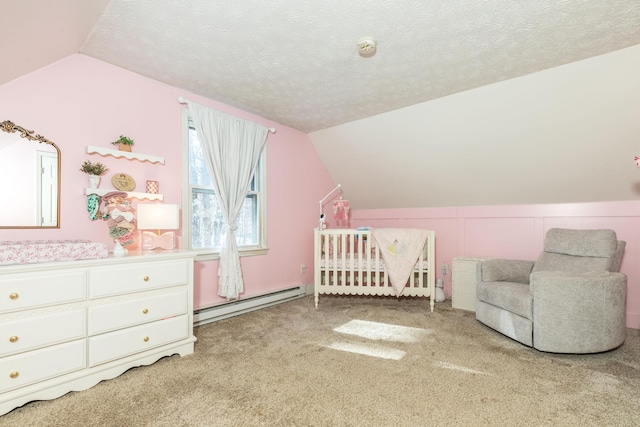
{"points": [[158, 217]]}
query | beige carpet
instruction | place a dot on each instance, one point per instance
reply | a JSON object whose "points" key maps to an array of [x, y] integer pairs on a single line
{"points": [[286, 366]]}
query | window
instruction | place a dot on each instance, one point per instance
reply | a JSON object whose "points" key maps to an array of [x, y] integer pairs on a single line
{"points": [[202, 215]]}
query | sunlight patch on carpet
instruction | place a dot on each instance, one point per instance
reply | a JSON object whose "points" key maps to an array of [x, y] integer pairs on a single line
{"points": [[453, 367], [368, 350], [382, 331]]}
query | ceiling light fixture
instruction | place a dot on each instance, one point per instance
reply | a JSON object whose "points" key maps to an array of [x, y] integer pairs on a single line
{"points": [[366, 47]]}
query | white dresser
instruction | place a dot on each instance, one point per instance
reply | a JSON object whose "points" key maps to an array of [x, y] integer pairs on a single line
{"points": [[66, 326]]}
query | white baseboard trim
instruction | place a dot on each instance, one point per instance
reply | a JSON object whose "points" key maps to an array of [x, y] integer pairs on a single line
{"points": [[235, 308]]}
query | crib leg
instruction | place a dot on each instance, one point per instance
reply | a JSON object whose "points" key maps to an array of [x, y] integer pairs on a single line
{"points": [[432, 302], [316, 298]]}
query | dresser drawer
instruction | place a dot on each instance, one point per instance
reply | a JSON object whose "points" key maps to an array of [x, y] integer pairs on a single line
{"points": [[33, 332], [114, 345], [109, 317], [18, 292], [124, 278], [38, 365]]}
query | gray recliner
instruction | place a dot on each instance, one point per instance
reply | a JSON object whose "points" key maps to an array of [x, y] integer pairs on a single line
{"points": [[571, 300]]}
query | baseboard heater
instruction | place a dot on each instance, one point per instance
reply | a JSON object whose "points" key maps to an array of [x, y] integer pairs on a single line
{"points": [[235, 308]]}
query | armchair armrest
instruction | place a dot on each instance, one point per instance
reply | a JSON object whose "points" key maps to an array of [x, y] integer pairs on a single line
{"points": [[587, 285], [578, 312], [506, 270]]}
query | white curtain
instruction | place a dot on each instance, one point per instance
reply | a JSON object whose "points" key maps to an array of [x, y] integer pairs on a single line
{"points": [[231, 147]]}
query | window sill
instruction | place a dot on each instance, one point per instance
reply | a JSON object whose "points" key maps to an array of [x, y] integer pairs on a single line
{"points": [[207, 256]]}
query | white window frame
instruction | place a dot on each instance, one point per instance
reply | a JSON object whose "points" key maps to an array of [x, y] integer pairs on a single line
{"points": [[261, 184]]}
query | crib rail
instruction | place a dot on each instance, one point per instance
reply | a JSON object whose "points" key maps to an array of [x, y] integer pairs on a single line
{"points": [[348, 262]]}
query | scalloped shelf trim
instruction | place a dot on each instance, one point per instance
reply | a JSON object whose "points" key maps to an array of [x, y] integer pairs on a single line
{"points": [[126, 154], [140, 196]]}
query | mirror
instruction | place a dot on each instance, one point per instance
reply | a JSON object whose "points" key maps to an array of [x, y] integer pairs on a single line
{"points": [[29, 179]]}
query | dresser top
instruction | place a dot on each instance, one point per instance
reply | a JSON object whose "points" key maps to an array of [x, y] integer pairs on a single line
{"points": [[129, 258]]}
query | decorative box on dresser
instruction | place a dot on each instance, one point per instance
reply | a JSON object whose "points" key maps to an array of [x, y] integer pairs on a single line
{"points": [[65, 326]]}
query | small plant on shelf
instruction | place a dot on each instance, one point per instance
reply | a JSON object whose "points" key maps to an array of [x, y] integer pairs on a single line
{"points": [[124, 143], [91, 168]]}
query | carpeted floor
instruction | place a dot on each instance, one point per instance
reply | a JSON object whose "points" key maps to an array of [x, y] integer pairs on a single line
{"points": [[293, 365]]}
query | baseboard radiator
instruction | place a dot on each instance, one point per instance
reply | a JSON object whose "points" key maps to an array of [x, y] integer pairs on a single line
{"points": [[235, 308]]}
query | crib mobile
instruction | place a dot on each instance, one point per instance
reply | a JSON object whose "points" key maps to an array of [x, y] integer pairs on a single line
{"points": [[340, 209]]}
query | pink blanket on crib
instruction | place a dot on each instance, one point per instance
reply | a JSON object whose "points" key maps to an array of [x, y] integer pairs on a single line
{"points": [[400, 248]]}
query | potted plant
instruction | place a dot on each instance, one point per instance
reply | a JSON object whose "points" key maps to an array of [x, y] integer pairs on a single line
{"points": [[124, 143], [95, 171]]}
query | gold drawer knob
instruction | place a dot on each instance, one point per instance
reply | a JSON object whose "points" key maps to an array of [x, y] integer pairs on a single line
{"points": [[146, 339], [14, 374], [13, 339], [145, 310], [14, 296], [146, 278]]}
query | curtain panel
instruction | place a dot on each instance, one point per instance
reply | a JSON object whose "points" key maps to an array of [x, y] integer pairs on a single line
{"points": [[231, 147]]}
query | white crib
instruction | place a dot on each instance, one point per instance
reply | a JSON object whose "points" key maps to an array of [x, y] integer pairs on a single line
{"points": [[348, 262]]}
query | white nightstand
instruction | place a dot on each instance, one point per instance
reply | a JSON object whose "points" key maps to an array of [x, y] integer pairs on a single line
{"points": [[465, 274]]}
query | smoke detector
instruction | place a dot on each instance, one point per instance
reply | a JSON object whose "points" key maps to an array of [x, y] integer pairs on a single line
{"points": [[366, 46]]}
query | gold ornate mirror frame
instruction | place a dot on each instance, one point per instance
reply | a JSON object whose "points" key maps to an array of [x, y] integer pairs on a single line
{"points": [[10, 127]]}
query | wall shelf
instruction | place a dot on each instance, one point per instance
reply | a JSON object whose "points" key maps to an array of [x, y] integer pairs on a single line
{"points": [[126, 154], [140, 196]]}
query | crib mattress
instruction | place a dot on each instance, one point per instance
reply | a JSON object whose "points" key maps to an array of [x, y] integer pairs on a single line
{"points": [[365, 264]]}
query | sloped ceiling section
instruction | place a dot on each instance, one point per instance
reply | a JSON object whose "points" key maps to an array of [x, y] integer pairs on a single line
{"points": [[296, 62], [567, 134], [35, 33]]}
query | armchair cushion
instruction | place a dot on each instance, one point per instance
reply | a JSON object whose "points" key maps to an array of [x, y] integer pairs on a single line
{"points": [[510, 296], [505, 270], [569, 263], [616, 262], [577, 250], [589, 243]]}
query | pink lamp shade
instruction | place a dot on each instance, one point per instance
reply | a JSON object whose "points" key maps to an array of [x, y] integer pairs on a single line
{"points": [[158, 217]]}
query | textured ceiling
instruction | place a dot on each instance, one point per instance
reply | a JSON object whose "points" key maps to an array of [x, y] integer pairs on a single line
{"points": [[296, 62]]}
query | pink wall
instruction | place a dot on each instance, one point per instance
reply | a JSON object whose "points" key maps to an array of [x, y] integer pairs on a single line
{"points": [[517, 232], [80, 101]]}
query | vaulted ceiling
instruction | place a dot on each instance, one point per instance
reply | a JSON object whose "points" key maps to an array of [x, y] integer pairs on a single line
{"points": [[296, 62]]}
